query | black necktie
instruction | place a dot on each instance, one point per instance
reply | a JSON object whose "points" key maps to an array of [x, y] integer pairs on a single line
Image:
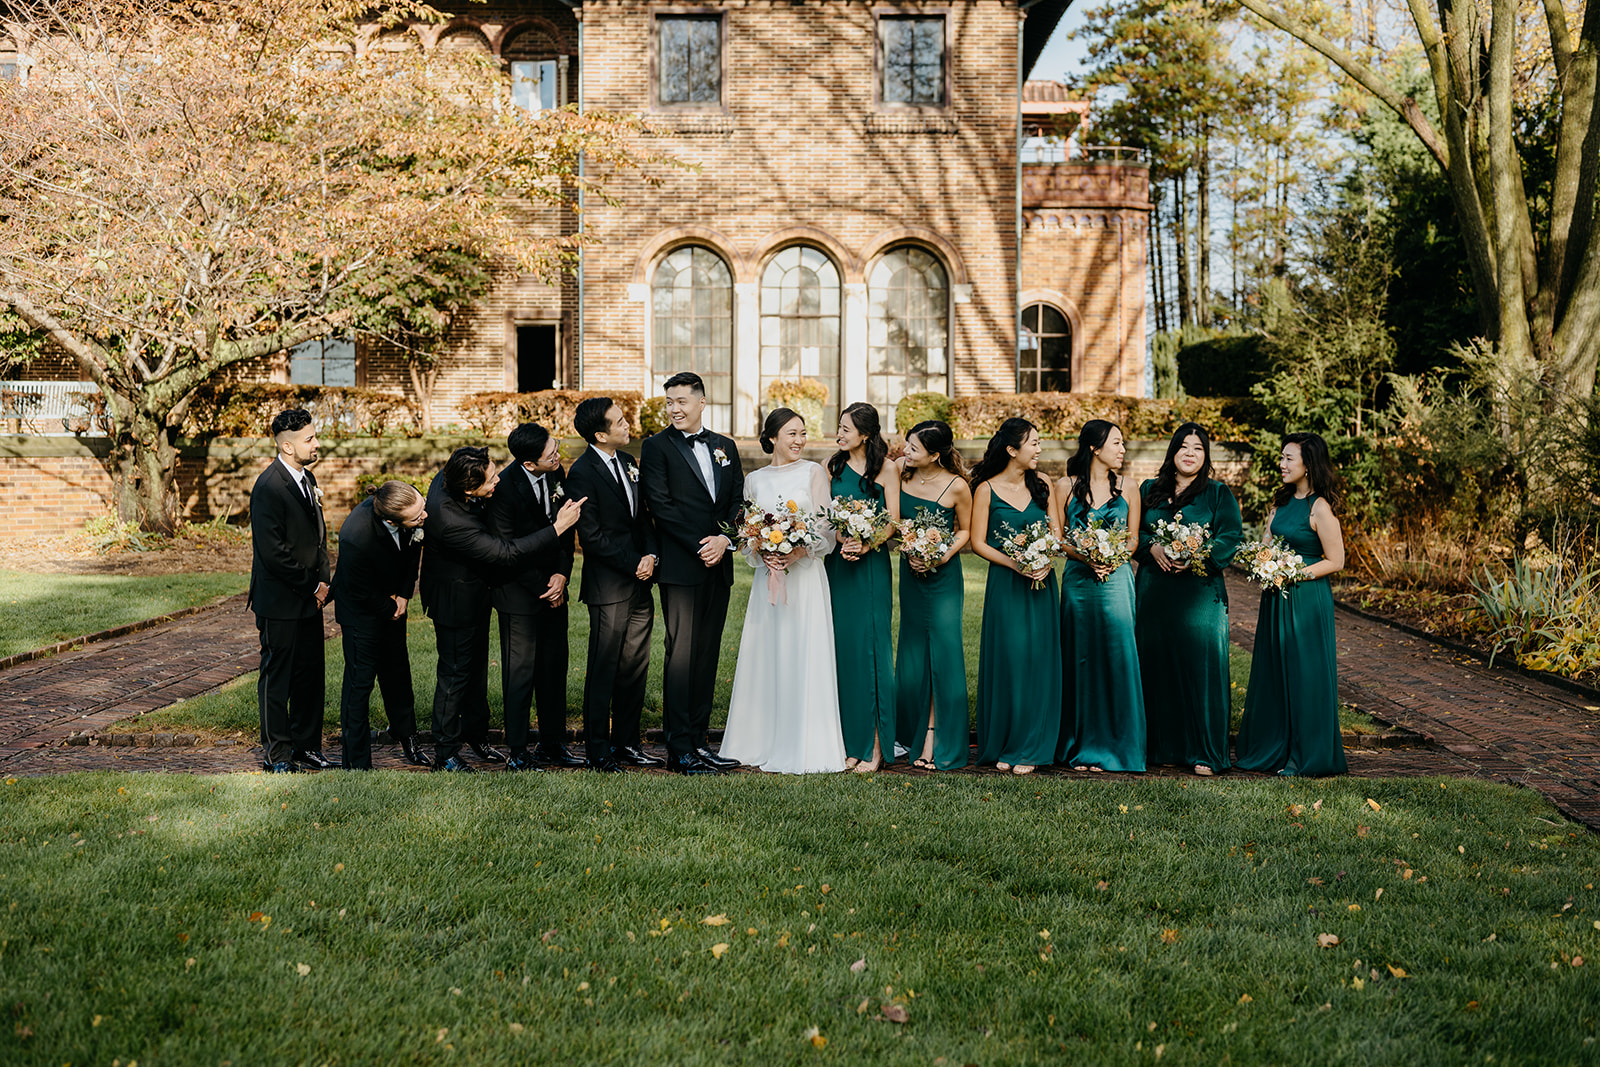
{"points": [[305, 487], [616, 469], [541, 495]]}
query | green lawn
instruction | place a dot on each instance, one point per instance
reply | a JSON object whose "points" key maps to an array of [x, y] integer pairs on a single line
{"points": [[233, 708], [41, 609], [505, 919]]}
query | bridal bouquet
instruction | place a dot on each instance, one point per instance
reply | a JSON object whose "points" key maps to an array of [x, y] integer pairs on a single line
{"points": [[926, 537], [1101, 544], [760, 532], [1187, 544], [1032, 548], [1271, 565], [861, 520]]}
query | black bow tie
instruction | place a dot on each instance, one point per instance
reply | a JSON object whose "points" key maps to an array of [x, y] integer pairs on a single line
{"points": [[704, 437]]}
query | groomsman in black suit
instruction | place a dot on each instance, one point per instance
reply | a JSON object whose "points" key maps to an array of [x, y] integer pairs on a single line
{"points": [[619, 561], [288, 586], [694, 485], [380, 548], [531, 599], [463, 553]]}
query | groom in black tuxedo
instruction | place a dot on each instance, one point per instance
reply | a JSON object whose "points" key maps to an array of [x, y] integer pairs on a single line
{"points": [[694, 485], [619, 562], [288, 587]]}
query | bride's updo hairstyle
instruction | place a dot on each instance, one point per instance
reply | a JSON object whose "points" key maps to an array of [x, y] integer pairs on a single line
{"points": [[939, 441], [777, 419]]}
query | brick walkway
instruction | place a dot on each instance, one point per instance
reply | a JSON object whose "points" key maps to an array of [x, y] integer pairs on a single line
{"points": [[1481, 723]]}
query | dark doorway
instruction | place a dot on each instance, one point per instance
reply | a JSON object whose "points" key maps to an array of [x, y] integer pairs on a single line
{"points": [[536, 358]]}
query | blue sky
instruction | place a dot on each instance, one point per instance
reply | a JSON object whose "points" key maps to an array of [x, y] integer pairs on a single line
{"points": [[1062, 57]]}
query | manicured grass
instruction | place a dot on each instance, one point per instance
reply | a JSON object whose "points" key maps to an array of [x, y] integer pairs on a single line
{"points": [[233, 708], [40, 609], [562, 918]]}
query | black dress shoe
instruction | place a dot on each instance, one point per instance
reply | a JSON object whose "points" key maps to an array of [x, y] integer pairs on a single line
{"points": [[693, 764], [521, 761], [715, 760], [486, 752], [557, 756], [282, 767], [266, 765], [605, 766], [414, 754], [634, 756], [456, 765], [313, 757]]}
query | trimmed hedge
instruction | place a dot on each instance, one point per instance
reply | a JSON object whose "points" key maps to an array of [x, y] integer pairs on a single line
{"points": [[921, 407], [246, 409], [496, 414], [1060, 416]]}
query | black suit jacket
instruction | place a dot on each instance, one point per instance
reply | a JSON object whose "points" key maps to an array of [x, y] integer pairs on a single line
{"points": [[514, 512], [372, 568], [614, 539], [460, 554], [289, 546], [683, 510]]}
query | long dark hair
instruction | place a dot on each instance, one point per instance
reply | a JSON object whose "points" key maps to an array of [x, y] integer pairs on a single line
{"points": [[1094, 434], [939, 441], [995, 459], [777, 419], [1319, 469], [1165, 487], [864, 417]]}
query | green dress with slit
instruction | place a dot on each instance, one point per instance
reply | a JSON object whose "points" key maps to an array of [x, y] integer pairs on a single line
{"points": [[863, 605], [1019, 665], [1102, 702], [1182, 634], [930, 666], [1291, 711]]}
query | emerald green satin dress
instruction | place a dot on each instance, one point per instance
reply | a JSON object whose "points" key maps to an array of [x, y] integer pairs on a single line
{"points": [[1291, 711], [1182, 634], [1102, 702], [1019, 672], [930, 666], [863, 606]]}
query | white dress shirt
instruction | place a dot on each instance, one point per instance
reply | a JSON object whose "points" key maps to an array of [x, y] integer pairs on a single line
{"points": [[613, 464], [702, 455]]}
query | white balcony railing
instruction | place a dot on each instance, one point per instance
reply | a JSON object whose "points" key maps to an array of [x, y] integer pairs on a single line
{"points": [[52, 409]]}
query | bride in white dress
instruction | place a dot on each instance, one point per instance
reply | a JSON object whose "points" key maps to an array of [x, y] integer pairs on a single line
{"points": [[784, 712]]}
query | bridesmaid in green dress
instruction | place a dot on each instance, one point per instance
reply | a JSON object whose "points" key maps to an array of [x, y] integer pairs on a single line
{"points": [[1291, 711], [930, 666], [1102, 706], [1019, 665], [863, 597], [1182, 623]]}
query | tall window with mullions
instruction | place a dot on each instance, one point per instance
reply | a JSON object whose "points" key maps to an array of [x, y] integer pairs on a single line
{"points": [[800, 322], [908, 328], [1044, 358], [691, 294]]}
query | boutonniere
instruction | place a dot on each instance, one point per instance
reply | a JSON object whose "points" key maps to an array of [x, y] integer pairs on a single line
{"points": [[560, 492], [416, 535], [721, 457], [316, 491], [633, 474]]}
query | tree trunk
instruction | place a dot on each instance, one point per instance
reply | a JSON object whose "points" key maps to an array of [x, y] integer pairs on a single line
{"points": [[1202, 227], [1158, 279], [144, 472], [1180, 246], [422, 382]]}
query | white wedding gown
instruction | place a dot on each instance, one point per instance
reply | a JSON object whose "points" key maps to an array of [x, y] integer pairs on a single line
{"points": [[784, 712]]}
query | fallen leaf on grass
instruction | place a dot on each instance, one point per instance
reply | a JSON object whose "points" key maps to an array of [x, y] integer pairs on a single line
{"points": [[1102, 886], [1317, 806], [1327, 940], [1295, 809], [1355, 907], [441, 1035], [1313, 881], [814, 1036], [96, 1020], [859, 965], [1245, 998], [861, 1009], [1398, 972], [1169, 937], [718, 949], [826, 888], [1473, 1005], [547, 935], [186, 965], [516, 1028], [302, 969], [1361, 831], [1377, 894], [719, 919], [1374, 805], [1577, 961], [896, 1013]]}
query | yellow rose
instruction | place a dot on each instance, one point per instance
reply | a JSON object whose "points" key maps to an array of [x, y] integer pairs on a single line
{"points": [[793, 507]]}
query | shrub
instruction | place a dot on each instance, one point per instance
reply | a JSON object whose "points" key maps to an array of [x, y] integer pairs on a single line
{"points": [[920, 407], [1545, 614], [807, 396], [246, 409], [364, 482], [496, 414], [653, 416], [1222, 366], [1060, 416]]}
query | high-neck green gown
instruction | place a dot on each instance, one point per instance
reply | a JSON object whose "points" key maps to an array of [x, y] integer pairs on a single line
{"points": [[1291, 711], [930, 665], [1019, 671], [863, 605], [1182, 632], [1102, 702]]}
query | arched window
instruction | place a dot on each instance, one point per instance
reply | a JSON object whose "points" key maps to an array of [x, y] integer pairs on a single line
{"points": [[532, 57], [1045, 356], [908, 328], [691, 296], [465, 39], [800, 322]]}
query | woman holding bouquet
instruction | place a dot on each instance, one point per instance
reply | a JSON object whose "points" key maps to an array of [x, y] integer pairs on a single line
{"points": [[861, 584], [931, 667], [1102, 710], [1291, 711], [1190, 532], [784, 712], [1019, 671]]}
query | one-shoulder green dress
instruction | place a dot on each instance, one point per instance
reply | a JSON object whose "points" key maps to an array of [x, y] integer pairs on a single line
{"points": [[1102, 702], [1019, 671], [1291, 712], [863, 607], [930, 666], [1183, 634]]}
